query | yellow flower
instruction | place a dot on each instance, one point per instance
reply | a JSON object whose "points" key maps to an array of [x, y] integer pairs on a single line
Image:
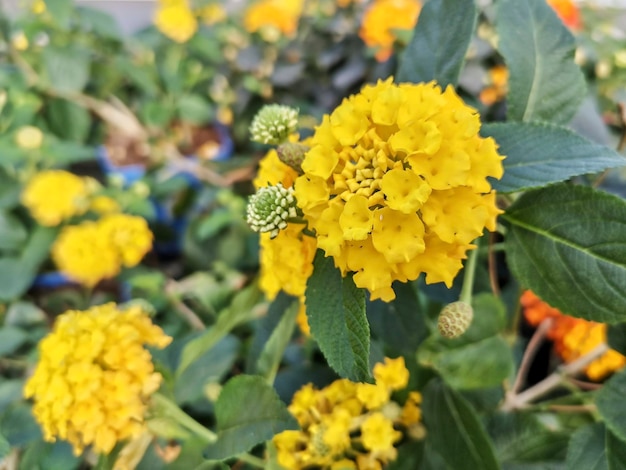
{"points": [[378, 433], [20, 43], [85, 255], [38, 7], [382, 18], [94, 376], [331, 418], [129, 235], [53, 196], [104, 205], [272, 18], [395, 184], [175, 19]]}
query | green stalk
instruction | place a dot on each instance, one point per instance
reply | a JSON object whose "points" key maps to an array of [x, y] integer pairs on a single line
{"points": [[468, 277]]}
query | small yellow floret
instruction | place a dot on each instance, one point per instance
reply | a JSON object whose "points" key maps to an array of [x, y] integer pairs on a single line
{"points": [[176, 20]]}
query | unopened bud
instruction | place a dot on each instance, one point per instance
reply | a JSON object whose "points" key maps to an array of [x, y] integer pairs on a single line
{"points": [[273, 124], [270, 208], [292, 154], [455, 319]]}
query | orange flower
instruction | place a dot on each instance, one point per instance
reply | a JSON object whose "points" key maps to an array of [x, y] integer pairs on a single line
{"points": [[498, 85], [568, 12], [382, 18], [271, 18], [573, 337]]}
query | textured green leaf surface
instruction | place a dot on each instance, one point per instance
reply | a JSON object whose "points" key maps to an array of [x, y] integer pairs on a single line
{"points": [[538, 154], [615, 451], [567, 244], [485, 363], [544, 82], [67, 68], [335, 309], [454, 430], [248, 411], [439, 44], [616, 337], [610, 403], [586, 449]]}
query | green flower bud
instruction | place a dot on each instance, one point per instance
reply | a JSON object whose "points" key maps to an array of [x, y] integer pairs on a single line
{"points": [[273, 124], [455, 319], [292, 154], [269, 209]]}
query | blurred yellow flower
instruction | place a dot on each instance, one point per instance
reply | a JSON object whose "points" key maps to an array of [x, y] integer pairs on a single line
{"points": [[271, 18], [85, 255], [29, 137], [395, 184], [94, 377], [175, 19], [381, 20], [348, 425], [19, 41], [129, 235], [38, 7], [104, 205], [93, 251], [54, 196]]}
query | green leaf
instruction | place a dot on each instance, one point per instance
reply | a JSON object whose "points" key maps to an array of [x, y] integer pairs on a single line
{"points": [[439, 44], [194, 109], [99, 22], [42, 455], [454, 430], [271, 356], [399, 323], [239, 311], [616, 337], [15, 278], [610, 403], [248, 411], [212, 366], [586, 449], [335, 308], [478, 365], [67, 68], [60, 11], [615, 451], [538, 154], [5, 447], [9, 191], [11, 338], [12, 232], [566, 243], [68, 120], [544, 82]]}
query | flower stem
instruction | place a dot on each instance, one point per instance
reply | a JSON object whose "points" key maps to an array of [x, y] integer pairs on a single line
{"points": [[553, 381], [468, 278], [172, 410]]}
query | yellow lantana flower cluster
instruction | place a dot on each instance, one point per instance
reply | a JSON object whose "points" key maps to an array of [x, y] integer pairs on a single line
{"points": [[287, 259], [97, 250], [53, 196], [349, 425], [94, 377], [395, 184], [382, 19]]}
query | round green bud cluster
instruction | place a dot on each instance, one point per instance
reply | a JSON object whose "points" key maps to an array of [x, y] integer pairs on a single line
{"points": [[269, 209], [455, 319], [292, 154], [273, 124]]}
